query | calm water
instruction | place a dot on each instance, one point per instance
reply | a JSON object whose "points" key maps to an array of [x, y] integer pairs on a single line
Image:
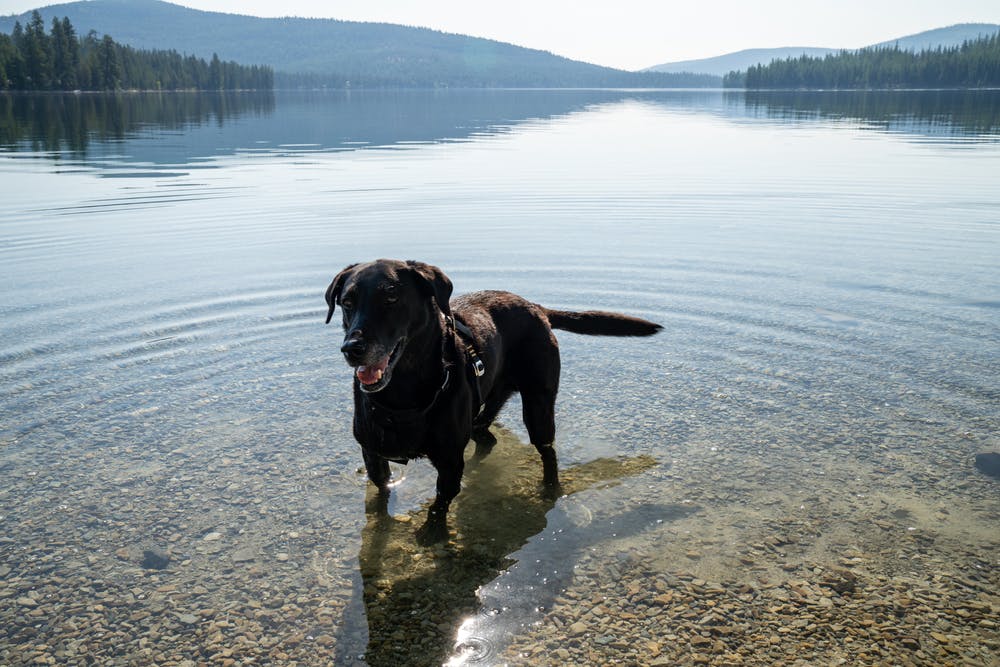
{"points": [[825, 265]]}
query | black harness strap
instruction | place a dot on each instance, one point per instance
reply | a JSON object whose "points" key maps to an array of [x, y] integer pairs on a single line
{"points": [[387, 416], [476, 365]]}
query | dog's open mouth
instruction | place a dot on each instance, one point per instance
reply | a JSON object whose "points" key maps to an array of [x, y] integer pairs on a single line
{"points": [[375, 377]]}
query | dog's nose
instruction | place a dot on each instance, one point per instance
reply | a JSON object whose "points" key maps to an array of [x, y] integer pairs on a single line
{"points": [[354, 348]]}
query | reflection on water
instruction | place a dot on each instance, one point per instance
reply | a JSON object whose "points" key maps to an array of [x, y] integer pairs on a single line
{"points": [[172, 129], [786, 473], [176, 128], [974, 114], [70, 124]]}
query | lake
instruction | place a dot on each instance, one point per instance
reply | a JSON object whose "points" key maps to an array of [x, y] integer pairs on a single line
{"points": [[784, 475]]}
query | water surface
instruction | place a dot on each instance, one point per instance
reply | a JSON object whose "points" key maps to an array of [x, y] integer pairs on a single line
{"points": [[825, 266]]}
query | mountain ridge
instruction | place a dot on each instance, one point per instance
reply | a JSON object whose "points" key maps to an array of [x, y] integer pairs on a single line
{"points": [[721, 65], [342, 53], [738, 60]]}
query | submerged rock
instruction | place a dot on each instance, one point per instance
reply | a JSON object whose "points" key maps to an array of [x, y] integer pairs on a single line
{"points": [[988, 463], [155, 558], [245, 555]]}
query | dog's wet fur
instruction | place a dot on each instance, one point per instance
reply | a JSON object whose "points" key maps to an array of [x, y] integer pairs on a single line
{"points": [[415, 392]]}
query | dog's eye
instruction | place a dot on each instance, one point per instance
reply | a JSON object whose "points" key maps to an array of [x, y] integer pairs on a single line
{"points": [[390, 294], [347, 303]]}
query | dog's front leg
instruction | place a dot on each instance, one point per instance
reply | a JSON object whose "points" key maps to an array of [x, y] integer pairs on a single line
{"points": [[449, 483], [378, 470]]}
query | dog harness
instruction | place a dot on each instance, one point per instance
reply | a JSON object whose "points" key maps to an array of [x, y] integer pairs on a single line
{"points": [[396, 433], [476, 365]]}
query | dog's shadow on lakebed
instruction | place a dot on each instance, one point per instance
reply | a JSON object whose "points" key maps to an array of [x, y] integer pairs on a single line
{"points": [[412, 599]]}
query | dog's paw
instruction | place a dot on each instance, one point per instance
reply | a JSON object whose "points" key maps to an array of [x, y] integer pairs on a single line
{"points": [[551, 492], [434, 530], [484, 440]]}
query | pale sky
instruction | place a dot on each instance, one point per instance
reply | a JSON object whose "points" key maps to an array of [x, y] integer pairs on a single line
{"points": [[633, 34]]}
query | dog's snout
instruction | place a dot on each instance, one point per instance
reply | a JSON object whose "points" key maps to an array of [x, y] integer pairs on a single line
{"points": [[354, 348]]}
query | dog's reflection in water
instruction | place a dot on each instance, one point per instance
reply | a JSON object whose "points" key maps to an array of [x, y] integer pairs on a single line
{"points": [[416, 597]]}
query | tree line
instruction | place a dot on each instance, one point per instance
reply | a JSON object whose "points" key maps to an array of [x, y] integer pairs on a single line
{"points": [[973, 64], [375, 76], [33, 60]]}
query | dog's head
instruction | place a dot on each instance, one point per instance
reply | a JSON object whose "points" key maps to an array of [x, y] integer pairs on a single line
{"points": [[385, 304]]}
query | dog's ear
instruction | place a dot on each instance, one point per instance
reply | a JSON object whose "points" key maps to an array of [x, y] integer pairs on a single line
{"points": [[333, 291], [433, 282]]}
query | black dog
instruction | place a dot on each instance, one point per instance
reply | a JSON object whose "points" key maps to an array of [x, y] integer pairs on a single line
{"points": [[431, 373]]}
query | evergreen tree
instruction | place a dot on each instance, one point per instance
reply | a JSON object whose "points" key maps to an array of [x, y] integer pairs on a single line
{"points": [[108, 67], [11, 65], [65, 54], [71, 55], [215, 77], [37, 53]]}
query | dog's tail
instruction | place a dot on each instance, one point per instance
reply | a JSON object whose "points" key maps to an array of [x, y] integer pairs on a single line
{"points": [[600, 323]]}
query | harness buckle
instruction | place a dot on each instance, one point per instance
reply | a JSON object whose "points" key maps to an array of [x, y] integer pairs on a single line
{"points": [[479, 367]]}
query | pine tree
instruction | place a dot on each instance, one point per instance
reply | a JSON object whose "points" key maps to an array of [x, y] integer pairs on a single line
{"points": [[109, 68], [37, 54], [215, 76], [65, 54]]}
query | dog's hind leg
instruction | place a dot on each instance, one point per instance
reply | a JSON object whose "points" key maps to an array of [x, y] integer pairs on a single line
{"points": [[538, 381], [539, 409]]}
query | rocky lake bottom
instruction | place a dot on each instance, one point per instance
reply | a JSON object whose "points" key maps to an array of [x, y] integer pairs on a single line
{"points": [[863, 552]]}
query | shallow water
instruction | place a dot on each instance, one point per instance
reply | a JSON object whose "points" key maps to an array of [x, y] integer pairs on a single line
{"points": [[825, 266]]}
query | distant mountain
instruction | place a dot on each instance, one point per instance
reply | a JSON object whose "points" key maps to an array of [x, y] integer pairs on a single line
{"points": [[948, 37], [342, 53], [741, 60]]}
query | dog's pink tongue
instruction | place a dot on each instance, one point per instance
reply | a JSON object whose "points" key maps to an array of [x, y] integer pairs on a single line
{"points": [[372, 374]]}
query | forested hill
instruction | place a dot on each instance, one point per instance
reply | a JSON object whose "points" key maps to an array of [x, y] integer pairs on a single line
{"points": [[974, 64], [31, 59], [344, 53]]}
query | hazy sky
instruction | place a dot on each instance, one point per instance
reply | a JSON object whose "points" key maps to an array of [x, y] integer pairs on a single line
{"points": [[632, 34]]}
